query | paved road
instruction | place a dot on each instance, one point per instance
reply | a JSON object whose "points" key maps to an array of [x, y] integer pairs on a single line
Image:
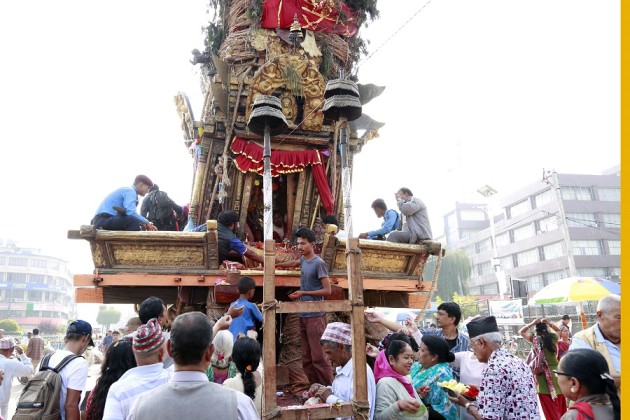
{"points": [[17, 387]]}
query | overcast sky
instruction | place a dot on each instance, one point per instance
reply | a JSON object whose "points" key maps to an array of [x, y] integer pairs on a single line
{"points": [[485, 92]]}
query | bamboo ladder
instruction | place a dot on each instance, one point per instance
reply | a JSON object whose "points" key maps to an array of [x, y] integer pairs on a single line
{"points": [[359, 407]]}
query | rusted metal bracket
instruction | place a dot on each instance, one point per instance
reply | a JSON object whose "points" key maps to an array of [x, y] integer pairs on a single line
{"points": [[97, 279]]}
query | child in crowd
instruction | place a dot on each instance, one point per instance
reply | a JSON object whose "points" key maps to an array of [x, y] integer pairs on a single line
{"points": [[251, 315]]}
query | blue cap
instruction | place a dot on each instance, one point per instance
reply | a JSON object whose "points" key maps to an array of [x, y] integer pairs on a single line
{"points": [[80, 327]]}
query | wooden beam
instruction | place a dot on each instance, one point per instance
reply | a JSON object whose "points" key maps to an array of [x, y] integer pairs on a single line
{"points": [[208, 278], [316, 306], [355, 292], [269, 402], [298, 139], [124, 294], [316, 412]]}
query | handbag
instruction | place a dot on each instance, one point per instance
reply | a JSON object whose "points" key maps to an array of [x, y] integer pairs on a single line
{"points": [[536, 358]]}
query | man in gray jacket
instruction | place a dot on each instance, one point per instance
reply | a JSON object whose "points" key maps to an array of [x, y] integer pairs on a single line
{"points": [[416, 227], [189, 394]]}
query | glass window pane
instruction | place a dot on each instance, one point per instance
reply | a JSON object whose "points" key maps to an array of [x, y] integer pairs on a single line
{"points": [[612, 220], [592, 272], [581, 220], [527, 257], [576, 193], [609, 194], [588, 247], [524, 232], [555, 250], [543, 198], [614, 247], [519, 208], [548, 224]]}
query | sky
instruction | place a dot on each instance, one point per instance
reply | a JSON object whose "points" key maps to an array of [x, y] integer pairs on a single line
{"points": [[486, 92]]}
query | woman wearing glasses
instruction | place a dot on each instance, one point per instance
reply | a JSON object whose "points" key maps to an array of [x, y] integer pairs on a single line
{"points": [[583, 377]]}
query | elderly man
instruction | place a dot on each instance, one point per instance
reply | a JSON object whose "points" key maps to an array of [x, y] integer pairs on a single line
{"points": [[507, 390], [189, 394], [605, 336], [11, 368], [337, 345], [149, 349], [416, 227]]}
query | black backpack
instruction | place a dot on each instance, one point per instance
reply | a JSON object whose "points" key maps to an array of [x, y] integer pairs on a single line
{"points": [[163, 208], [40, 397]]}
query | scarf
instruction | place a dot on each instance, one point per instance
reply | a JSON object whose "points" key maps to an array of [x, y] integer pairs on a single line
{"points": [[382, 369], [585, 412], [538, 347]]}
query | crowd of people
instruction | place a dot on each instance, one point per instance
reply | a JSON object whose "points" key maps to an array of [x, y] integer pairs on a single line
{"points": [[218, 368]]}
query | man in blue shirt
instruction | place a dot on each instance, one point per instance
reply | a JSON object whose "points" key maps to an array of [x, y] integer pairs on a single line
{"points": [[230, 247], [118, 209], [390, 217]]}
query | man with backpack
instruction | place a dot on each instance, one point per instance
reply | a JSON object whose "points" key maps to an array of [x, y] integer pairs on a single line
{"points": [[11, 368], [55, 390], [160, 209], [391, 221]]}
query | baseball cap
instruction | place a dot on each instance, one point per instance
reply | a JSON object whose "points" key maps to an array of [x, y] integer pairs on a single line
{"points": [[80, 327]]}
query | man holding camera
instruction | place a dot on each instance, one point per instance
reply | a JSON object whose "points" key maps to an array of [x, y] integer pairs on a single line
{"points": [[21, 366]]}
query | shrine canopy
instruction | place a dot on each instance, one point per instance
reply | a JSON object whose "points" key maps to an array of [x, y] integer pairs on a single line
{"points": [[249, 158], [319, 16]]}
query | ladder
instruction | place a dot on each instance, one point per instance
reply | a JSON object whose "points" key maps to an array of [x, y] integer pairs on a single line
{"points": [[359, 407]]}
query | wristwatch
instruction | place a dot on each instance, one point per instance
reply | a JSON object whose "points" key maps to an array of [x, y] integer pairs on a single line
{"points": [[468, 405]]}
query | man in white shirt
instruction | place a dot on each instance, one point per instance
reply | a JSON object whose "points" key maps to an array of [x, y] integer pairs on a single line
{"points": [[149, 349], [74, 375], [189, 394], [337, 345], [11, 368]]}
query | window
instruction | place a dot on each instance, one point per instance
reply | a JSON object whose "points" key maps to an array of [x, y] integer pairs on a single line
{"points": [[39, 263], [547, 225], [17, 261], [3, 260], [507, 262], [581, 220], [37, 278], [473, 214], [576, 193], [554, 276], [527, 257], [35, 295], [553, 251], [483, 246], [474, 291], [17, 294], [16, 277], [490, 289], [519, 208], [503, 239], [470, 250], [484, 268], [612, 220], [543, 198], [609, 194], [524, 232], [534, 283], [592, 272], [614, 247], [54, 265], [588, 247]]}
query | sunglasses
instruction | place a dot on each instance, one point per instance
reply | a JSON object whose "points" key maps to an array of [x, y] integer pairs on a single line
{"points": [[558, 373]]}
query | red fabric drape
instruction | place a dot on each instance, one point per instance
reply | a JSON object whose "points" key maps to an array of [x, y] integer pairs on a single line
{"points": [[320, 16], [250, 159]]}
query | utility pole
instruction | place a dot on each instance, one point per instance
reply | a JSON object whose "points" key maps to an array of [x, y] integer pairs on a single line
{"points": [[487, 191], [551, 177]]}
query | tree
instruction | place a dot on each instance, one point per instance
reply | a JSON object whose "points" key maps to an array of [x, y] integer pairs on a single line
{"points": [[48, 327], [9, 325], [107, 316], [454, 271]]}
